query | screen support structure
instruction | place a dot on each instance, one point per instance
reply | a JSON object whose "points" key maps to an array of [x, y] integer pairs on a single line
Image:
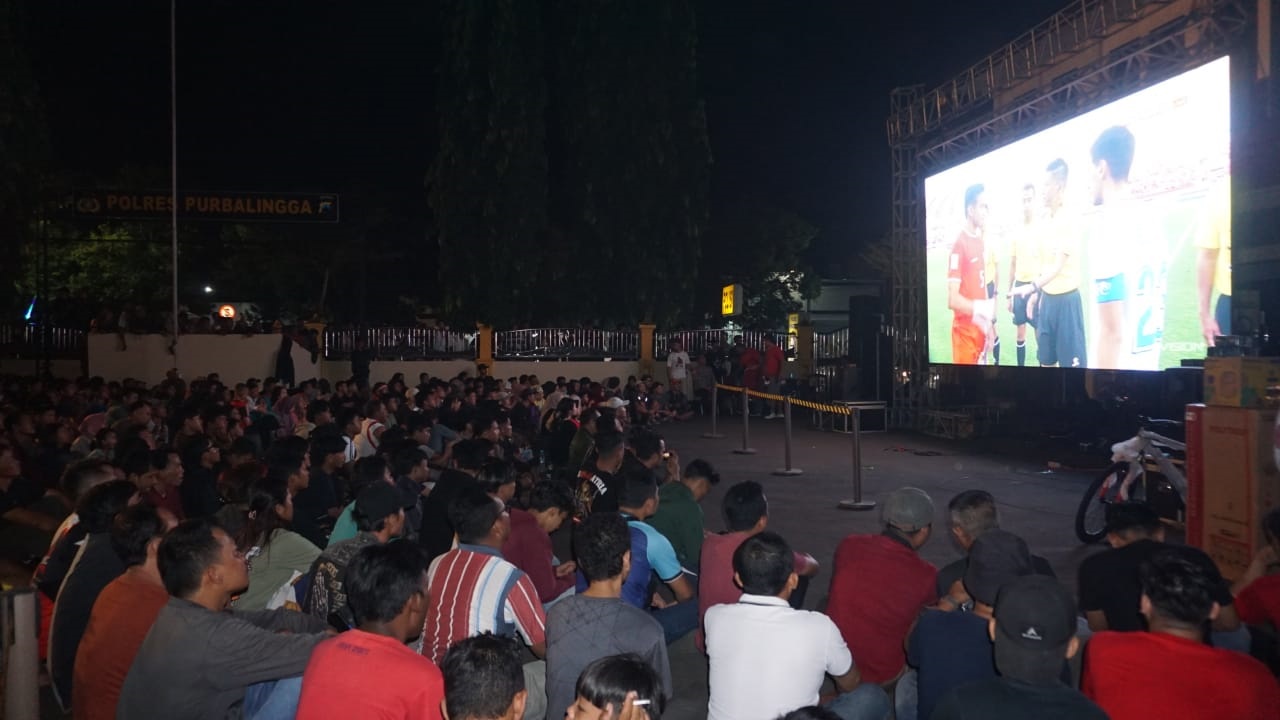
{"points": [[971, 115], [908, 331]]}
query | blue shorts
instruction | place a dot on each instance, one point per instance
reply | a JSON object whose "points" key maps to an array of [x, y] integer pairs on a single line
{"points": [[1112, 289]]}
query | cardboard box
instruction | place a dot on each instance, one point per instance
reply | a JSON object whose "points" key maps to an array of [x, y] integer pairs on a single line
{"points": [[1243, 382], [1231, 482]]}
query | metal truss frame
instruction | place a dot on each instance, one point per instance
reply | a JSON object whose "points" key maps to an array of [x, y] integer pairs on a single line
{"points": [[908, 331], [1036, 81]]}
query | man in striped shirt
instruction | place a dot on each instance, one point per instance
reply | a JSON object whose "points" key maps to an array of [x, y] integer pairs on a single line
{"points": [[472, 590]]}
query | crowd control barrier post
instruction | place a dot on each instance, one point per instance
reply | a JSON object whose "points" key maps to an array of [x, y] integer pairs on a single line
{"points": [[786, 424], [715, 434], [856, 502], [746, 448]]}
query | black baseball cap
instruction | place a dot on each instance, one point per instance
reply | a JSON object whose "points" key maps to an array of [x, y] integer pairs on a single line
{"points": [[1035, 620], [996, 558]]}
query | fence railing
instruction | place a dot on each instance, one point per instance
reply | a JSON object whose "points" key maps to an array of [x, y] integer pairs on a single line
{"points": [[566, 344], [696, 342], [23, 340], [402, 343], [831, 346]]}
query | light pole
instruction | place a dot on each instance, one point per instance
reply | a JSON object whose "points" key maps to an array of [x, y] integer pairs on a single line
{"points": [[173, 152]]}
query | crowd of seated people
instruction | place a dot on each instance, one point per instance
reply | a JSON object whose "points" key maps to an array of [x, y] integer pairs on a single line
{"points": [[476, 548]]}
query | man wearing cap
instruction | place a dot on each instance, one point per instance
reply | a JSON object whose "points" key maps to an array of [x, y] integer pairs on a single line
{"points": [[951, 648], [880, 584], [1169, 672], [379, 516], [1033, 630]]}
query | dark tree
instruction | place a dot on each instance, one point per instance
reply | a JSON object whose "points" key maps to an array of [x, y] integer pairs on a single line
{"points": [[632, 158], [488, 185], [764, 249], [23, 142]]}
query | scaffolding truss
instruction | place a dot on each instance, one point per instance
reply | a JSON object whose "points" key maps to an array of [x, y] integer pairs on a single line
{"points": [[1090, 53]]}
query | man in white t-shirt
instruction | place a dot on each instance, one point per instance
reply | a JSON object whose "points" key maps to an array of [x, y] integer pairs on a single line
{"points": [[768, 659], [677, 366]]}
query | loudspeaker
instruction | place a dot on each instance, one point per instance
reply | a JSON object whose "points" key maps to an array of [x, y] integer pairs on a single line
{"points": [[867, 348]]}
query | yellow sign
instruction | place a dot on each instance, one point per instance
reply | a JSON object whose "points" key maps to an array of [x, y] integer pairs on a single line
{"points": [[793, 324], [731, 300], [227, 311]]}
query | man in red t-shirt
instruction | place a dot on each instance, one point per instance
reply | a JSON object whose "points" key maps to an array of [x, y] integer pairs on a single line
{"points": [[1257, 593], [746, 511], [122, 615], [528, 547], [369, 671], [1169, 672], [879, 584], [967, 283]]}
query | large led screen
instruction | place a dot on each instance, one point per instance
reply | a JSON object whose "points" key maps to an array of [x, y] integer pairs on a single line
{"points": [[1101, 242]]}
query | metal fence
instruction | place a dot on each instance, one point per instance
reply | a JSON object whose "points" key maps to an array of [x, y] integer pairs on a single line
{"points": [[402, 343], [24, 340], [566, 344], [832, 346], [697, 342]]}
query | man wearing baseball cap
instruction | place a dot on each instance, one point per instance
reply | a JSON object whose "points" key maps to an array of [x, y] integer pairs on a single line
{"points": [[380, 516], [949, 649], [880, 584], [1033, 629]]}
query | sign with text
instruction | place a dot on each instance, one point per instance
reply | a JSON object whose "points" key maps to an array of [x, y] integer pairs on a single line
{"points": [[731, 300], [201, 205]]}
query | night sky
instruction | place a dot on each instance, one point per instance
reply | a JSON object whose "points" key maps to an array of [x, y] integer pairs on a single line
{"points": [[287, 95]]}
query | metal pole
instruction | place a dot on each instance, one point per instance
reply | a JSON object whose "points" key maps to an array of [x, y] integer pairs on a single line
{"points": [[746, 448], [20, 623], [173, 152], [786, 426], [857, 503], [715, 413]]}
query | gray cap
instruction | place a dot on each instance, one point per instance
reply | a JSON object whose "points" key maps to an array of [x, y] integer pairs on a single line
{"points": [[908, 509]]}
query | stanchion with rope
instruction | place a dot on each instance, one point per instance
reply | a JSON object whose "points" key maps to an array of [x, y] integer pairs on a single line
{"points": [[746, 448], [715, 414], [856, 502], [786, 424]]}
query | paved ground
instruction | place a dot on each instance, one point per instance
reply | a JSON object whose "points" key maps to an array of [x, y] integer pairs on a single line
{"points": [[1038, 505]]}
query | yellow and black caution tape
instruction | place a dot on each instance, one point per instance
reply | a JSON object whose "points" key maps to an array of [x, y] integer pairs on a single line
{"points": [[820, 407]]}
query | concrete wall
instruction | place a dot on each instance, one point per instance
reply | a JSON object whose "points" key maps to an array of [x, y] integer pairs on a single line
{"points": [[236, 358], [382, 370], [60, 367]]}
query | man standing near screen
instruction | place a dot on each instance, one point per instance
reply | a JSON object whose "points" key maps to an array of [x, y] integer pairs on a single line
{"points": [[991, 273], [1024, 263], [1055, 292], [966, 284], [1213, 265]]}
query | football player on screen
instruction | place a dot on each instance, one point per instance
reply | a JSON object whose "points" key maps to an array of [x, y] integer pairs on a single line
{"points": [[1055, 293], [1024, 263], [967, 298]]}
